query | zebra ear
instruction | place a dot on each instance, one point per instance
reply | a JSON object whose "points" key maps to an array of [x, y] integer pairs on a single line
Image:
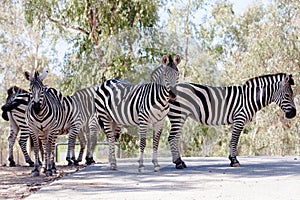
{"points": [[291, 80], [165, 60], [28, 76], [288, 80], [177, 59], [44, 75], [16, 89], [10, 91]]}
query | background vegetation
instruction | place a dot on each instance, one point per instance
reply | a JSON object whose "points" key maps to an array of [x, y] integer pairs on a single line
{"points": [[85, 42]]}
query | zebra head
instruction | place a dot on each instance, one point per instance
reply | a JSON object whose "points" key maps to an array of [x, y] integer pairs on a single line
{"points": [[12, 93], [37, 89], [171, 74], [284, 97]]}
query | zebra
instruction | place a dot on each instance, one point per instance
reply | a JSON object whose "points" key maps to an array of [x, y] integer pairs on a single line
{"points": [[226, 105], [85, 99], [120, 103], [17, 123], [49, 112]]}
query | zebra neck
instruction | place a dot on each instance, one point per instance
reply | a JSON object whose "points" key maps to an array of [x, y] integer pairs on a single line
{"points": [[166, 92], [259, 96]]}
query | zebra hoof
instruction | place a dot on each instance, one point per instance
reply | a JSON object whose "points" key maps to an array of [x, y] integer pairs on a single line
{"points": [[35, 173], [12, 163], [234, 162], [70, 163], [31, 164], [49, 173], [157, 169], [180, 164], [90, 162], [113, 167], [43, 170], [141, 169], [76, 163], [235, 165]]}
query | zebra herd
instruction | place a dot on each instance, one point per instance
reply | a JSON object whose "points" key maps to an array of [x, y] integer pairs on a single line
{"points": [[44, 113]]}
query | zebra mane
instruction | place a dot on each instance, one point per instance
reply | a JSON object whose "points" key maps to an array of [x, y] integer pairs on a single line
{"points": [[16, 90], [171, 63], [281, 75]]}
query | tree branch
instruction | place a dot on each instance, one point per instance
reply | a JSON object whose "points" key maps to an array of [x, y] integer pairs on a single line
{"points": [[68, 26]]}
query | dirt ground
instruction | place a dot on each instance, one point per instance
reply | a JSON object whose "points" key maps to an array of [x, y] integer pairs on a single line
{"points": [[18, 183]]}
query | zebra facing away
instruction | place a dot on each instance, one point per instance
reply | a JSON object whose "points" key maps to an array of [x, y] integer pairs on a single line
{"points": [[120, 103], [17, 123], [226, 105]]}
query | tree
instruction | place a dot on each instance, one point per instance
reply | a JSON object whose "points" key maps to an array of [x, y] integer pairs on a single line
{"points": [[105, 36]]}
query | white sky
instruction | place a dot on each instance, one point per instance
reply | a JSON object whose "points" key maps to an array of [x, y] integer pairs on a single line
{"points": [[239, 6]]}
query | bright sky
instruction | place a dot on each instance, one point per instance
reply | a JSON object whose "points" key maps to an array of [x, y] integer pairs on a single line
{"points": [[239, 6]]}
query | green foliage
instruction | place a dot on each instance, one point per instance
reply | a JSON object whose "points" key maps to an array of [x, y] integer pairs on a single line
{"points": [[105, 36]]}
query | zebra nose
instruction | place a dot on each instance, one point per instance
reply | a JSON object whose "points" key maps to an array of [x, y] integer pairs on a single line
{"points": [[290, 113]]}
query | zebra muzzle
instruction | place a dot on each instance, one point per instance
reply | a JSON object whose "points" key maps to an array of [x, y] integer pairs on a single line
{"points": [[172, 94], [290, 113], [36, 107]]}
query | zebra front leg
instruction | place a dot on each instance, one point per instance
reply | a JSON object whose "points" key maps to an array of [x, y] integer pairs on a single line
{"points": [[236, 132], [157, 129], [53, 167], [112, 156], [143, 130], [173, 142], [48, 157], [35, 171]]}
